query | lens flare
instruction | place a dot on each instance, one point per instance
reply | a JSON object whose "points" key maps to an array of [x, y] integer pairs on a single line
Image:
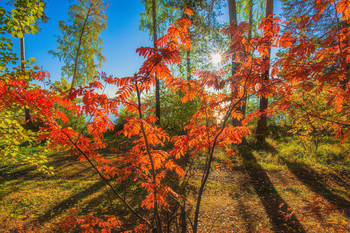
{"points": [[216, 58]]}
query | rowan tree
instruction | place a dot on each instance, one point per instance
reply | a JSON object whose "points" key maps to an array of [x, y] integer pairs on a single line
{"points": [[318, 65], [253, 15], [204, 25], [261, 128], [206, 133], [204, 32]]}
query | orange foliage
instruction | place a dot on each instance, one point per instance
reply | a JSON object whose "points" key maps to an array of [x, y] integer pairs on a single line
{"points": [[303, 67]]}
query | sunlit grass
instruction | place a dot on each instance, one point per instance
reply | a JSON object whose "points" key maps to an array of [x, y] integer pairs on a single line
{"points": [[26, 196]]}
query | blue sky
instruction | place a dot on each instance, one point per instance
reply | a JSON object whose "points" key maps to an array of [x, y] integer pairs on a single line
{"points": [[121, 38]]}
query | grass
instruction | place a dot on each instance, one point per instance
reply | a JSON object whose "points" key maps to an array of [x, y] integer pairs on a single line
{"points": [[255, 192]]}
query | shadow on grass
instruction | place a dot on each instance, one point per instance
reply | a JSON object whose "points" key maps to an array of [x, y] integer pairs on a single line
{"points": [[254, 145], [17, 171], [268, 195], [27, 172], [80, 174], [14, 173], [342, 180], [105, 204], [247, 216], [315, 182], [68, 203], [60, 159]]}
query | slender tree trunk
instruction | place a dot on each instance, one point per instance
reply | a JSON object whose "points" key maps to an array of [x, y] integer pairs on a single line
{"points": [[154, 28], [22, 54], [79, 46], [188, 53], [233, 21], [188, 61], [21, 44], [250, 19], [261, 129], [343, 83], [183, 222], [232, 10], [250, 22]]}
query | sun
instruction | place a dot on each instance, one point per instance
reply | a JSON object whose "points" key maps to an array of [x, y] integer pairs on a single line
{"points": [[216, 58]]}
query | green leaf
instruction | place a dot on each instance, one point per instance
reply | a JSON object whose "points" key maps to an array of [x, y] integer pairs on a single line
{"points": [[20, 35]]}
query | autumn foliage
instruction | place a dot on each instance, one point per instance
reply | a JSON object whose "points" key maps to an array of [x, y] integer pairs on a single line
{"points": [[303, 66]]}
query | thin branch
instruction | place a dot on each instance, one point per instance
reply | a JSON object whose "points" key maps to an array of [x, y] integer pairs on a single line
{"points": [[183, 208], [153, 172], [319, 117]]}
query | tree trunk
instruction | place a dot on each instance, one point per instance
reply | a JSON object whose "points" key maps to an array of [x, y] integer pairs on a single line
{"points": [[250, 22], [154, 27], [21, 44], [188, 65], [79, 47], [261, 129], [183, 222], [232, 10], [28, 124]]}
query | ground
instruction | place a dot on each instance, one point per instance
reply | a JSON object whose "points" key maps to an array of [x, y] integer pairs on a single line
{"points": [[268, 189]]}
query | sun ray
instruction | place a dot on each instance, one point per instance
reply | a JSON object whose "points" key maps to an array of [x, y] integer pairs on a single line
{"points": [[216, 58]]}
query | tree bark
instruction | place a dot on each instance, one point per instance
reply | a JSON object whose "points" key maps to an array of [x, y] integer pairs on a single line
{"points": [[21, 43], [154, 27], [233, 21], [183, 222], [261, 129], [188, 53], [250, 22], [232, 10], [79, 46], [188, 60], [28, 124]]}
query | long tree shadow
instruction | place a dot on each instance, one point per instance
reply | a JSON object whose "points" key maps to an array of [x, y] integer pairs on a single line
{"points": [[315, 182], [16, 172], [247, 216], [68, 203], [19, 172], [61, 159], [268, 195]]}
